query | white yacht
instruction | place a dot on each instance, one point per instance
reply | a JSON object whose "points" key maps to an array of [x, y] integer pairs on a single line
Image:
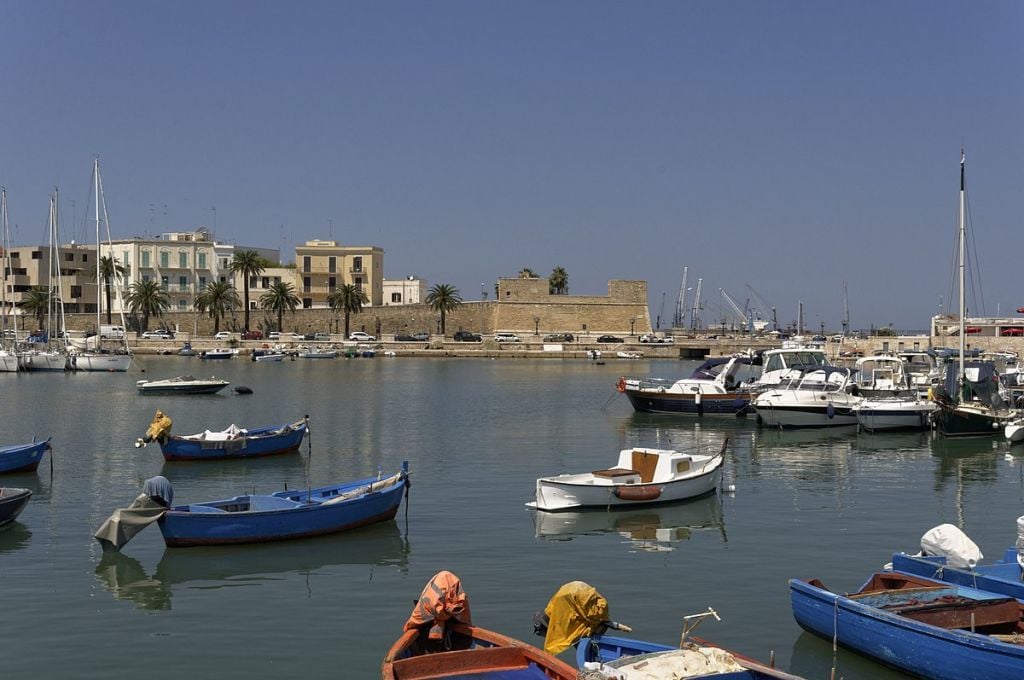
{"points": [[813, 397]]}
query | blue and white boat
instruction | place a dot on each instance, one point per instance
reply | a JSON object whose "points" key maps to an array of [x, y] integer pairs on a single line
{"points": [[286, 514], [716, 387], [1004, 577], [924, 627], [218, 353], [23, 457], [235, 442]]}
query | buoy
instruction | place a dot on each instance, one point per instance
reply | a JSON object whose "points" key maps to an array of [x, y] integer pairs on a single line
{"points": [[242, 389]]}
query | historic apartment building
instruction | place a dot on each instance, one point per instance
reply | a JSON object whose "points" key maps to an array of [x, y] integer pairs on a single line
{"points": [[184, 263], [322, 266], [31, 266]]}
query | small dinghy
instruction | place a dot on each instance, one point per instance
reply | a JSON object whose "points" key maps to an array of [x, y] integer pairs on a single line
{"points": [[641, 476]]}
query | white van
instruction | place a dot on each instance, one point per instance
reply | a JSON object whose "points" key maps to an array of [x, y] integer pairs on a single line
{"points": [[108, 331]]}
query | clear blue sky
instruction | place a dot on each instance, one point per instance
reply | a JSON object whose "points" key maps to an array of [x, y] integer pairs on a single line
{"points": [[791, 146]]}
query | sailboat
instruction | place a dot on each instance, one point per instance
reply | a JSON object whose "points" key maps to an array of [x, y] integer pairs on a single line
{"points": [[969, 400], [8, 356], [50, 358], [96, 358]]}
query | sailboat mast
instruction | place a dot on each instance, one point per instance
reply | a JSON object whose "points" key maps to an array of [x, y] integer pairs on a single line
{"points": [[99, 259], [7, 254], [962, 266]]}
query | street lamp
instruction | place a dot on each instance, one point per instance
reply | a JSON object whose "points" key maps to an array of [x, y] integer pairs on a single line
{"points": [[536, 325], [632, 325]]}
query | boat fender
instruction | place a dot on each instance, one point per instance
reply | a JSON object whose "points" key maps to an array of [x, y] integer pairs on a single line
{"points": [[645, 492], [621, 385], [242, 389], [830, 411]]}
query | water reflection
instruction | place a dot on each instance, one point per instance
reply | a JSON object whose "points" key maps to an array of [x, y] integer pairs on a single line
{"points": [[658, 528], [247, 566], [813, 658], [14, 537]]}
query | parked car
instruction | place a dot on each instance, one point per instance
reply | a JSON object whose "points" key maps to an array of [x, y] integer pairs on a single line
{"points": [[252, 335], [558, 337], [467, 336], [421, 336], [326, 337], [506, 337], [274, 335], [655, 339], [158, 335], [609, 338], [360, 336], [222, 335]]}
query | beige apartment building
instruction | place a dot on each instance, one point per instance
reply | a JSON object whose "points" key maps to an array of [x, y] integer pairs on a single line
{"points": [[31, 266], [322, 266]]}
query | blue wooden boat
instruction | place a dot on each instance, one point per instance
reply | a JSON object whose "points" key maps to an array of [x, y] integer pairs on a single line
{"points": [[12, 502], [285, 514], [607, 649], [23, 457], [919, 626], [997, 577], [235, 442]]}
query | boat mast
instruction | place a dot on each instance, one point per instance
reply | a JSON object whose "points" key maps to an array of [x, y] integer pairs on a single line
{"points": [[7, 260], [99, 258], [963, 246], [846, 311]]}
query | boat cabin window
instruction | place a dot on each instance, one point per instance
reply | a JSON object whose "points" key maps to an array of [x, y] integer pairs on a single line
{"points": [[682, 466]]}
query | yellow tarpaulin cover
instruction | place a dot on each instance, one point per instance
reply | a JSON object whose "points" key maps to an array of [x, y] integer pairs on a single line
{"points": [[573, 612]]}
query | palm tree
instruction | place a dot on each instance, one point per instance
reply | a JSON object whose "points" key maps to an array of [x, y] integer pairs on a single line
{"points": [[217, 299], [527, 273], [349, 299], [106, 269], [149, 299], [443, 298], [279, 297], [38, 301], [558, 282], [247, 263]]}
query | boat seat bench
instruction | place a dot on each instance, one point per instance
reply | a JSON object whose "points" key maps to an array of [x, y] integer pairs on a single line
{"points": [[612, 473]]}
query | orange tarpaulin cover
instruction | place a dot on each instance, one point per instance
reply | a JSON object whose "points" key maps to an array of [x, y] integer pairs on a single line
{"points": [[442, 599]]}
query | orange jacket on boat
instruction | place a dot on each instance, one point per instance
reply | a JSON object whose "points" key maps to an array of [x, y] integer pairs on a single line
{"points": [[442, 599]]}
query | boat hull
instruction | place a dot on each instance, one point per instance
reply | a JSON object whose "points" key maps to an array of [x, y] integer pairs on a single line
{"points": [[554, 494], [162, 387], [911, 646], [44, 361], [874, 416], [772, 415], [998, 577], [22, 457], [101, 362], [182, 528], [12, 502], [493, 656], [653, 401], [257, 443], [953, 421], [9, 362]]}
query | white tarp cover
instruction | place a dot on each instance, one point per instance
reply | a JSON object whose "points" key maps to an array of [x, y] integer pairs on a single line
{"points": [[676, 664], [1020, 541], [947, 541]]}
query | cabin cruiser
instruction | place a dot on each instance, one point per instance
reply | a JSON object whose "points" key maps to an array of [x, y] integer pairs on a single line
{"points": [[881, 375], [777, 363], [182, 384], [719, 386], [812, 397], [924, 371]]}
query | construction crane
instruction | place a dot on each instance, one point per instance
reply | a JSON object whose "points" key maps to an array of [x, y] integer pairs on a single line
{"points": [[679, 321], [694, 312], [748, 323], [765, 307]]}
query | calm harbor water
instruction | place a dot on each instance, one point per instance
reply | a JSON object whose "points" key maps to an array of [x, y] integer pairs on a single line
{"points": [[477, 433]]}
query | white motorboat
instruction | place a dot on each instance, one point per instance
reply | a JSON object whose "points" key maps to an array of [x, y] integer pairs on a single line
{"points": [[923, 370], [777, 364], [881, 375], [270, 356], [218, 353], [641, 476], [817, 397], [182, 384], [908, 412]]}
